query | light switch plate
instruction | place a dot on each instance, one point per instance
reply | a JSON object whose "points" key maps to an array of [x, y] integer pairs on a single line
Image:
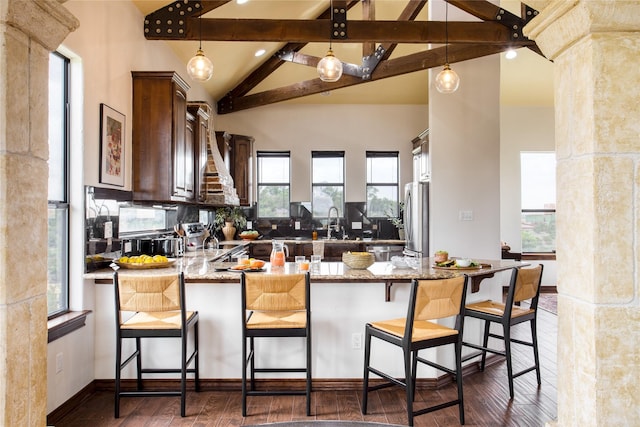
{"points": [[274, 226], [108, 229], [249, 225], [297, 225]]}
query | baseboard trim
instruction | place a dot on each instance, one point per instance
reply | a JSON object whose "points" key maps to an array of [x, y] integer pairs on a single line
{"points": [[335, 384]]}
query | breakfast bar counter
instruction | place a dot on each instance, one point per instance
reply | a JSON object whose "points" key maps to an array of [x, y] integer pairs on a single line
{"points": [[342, 301]]}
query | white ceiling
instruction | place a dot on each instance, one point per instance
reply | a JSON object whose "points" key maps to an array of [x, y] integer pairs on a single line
{"points": [[525, 80]]}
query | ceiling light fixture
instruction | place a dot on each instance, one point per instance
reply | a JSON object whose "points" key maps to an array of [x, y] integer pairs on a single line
{"points": [[511, 54], [259, 52], [200, 67], [447, 81], [330, 68]]}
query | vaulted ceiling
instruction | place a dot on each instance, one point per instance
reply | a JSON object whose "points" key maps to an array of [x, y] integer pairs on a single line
{"points": [[386, 46]]}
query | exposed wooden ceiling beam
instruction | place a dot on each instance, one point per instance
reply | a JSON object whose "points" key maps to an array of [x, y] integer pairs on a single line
{"points": [[310, 31], [389, 68]]}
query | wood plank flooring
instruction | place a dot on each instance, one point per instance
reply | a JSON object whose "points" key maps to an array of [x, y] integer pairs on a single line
{"points": [[486, 400]]}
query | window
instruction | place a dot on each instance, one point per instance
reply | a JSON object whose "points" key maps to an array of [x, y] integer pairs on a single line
{"points": [[538, 182], [273, 184], [58, 194], [382, 183], [327, 182]]}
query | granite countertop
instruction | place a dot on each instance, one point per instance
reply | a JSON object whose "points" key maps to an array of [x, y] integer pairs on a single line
{"points": [[201, 267], [302, 240]]}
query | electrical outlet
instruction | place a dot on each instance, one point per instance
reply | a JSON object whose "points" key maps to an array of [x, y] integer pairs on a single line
{"points": [[274, 226], [356, 341], [108, 229], [465, 216], [59, 363], [297, 225], [249, 225]]}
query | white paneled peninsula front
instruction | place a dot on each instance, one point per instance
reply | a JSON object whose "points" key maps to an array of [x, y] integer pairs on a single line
{"points": [[342, 301]]}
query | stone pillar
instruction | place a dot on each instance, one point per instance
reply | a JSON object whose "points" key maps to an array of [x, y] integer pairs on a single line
{"points": [[595, 45], [29, 30]]}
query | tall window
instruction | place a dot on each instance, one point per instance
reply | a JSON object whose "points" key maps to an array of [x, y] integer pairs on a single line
{"points": [[327, 182], [58, 218], [538, 181], [382, 183], [274, 184]]}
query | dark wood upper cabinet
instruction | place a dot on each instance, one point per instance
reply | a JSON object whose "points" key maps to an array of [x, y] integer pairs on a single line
{"points": [[200, 114], [163, 146]]}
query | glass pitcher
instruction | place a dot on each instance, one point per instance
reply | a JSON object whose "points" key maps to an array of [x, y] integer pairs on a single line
{"points": [[279, 254]]}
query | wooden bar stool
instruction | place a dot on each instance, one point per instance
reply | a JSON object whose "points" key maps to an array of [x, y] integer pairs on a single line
{"points": [[154, 307], [524, 285], [274, 305], [429, 300]]}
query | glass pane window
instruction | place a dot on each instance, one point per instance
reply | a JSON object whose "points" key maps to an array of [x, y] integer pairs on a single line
{"points": [[382, 183], [538, 204], [274, 184], [58, 211], [57, 250], [327, 172], [142, 219]]}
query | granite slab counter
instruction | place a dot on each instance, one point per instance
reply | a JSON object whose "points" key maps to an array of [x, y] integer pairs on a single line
{"points": [[201, 267]]}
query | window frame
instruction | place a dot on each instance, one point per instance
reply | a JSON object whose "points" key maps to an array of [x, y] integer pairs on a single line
{"points": [[383, 154], [64, 204], [329, 154], [272, 154], [529, 210]]}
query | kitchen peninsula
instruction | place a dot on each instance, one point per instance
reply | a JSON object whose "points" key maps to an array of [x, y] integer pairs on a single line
{"points": [[342, 301]]}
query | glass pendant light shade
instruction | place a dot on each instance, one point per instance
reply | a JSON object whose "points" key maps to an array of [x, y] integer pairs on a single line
{"points": [[447, 80], [330, 68], [200, 67]]}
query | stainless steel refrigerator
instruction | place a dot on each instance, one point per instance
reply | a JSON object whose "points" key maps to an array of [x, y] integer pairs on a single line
{"points": [[416, 219]]}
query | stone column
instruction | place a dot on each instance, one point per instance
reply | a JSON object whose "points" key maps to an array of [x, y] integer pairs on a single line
{"points": [[595, 45], [29, 30]]}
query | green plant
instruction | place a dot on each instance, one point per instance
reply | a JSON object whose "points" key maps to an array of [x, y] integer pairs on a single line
{"points": [[396, 220], [230, 214]]}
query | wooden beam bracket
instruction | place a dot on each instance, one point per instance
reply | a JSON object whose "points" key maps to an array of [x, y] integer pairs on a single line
{"points": [[339, 22], [512, 22], [170, 22]]}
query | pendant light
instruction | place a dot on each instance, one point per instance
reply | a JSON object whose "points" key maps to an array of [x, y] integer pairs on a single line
{"points": [[447, 80], [330, 68], [200, 67]]}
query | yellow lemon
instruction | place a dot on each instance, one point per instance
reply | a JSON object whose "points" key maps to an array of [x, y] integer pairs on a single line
{"points": [[123, 259]]}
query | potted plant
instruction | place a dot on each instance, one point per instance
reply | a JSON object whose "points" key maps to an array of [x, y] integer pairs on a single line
{"points": [[397, 220], [229, 219]]}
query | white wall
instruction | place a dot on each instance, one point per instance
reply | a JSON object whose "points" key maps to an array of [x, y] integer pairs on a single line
{"points": [[521, 129], [302, 128], [105, 49]]}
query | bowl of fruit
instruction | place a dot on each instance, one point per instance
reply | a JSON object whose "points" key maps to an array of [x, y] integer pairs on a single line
{"points": [[249, 235]]}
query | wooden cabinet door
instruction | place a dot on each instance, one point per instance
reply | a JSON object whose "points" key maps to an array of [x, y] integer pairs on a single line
{"points": [[243, 167], [201, 140], [159, 137]]}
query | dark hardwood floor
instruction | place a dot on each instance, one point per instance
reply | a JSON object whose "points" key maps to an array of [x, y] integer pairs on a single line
{"points": [[486, 397]]}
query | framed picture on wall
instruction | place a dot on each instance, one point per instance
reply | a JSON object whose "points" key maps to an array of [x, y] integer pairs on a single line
{"points": [[112, 126]]}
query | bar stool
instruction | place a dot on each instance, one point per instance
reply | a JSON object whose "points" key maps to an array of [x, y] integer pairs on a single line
{"points": [[429, 300], [154, 307], [524, 285], [274, 305]]}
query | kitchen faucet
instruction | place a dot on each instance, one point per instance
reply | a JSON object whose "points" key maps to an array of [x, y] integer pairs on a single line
{"points": [[332, 208]]}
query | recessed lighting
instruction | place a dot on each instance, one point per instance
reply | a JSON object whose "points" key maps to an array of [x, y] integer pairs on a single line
{"points": [[511, 53], [241, 1], [259, 52]]}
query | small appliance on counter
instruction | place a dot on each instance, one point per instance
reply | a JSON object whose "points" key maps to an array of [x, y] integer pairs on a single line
{"points": [[195, 235]]}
